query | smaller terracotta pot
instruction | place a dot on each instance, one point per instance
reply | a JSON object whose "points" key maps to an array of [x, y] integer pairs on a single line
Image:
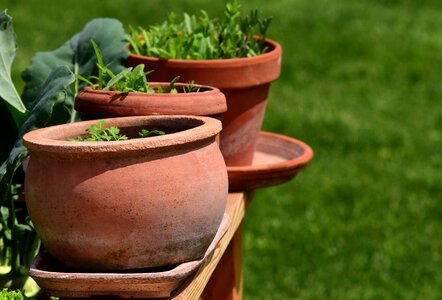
{"points": [[208, 101], [244, 81], [139, 203]]}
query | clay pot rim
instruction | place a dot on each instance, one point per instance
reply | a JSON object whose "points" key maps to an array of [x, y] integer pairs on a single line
{"points": [[213, 99], [208, 90], [297, 163], [51, 140], [274, 53]]}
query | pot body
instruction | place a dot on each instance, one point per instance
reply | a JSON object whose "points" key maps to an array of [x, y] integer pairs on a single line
{"points": [[208, 101], [244, 81], [128, 207]]}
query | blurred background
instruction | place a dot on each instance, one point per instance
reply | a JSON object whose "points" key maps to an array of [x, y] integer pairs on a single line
{"points": [[361, 84]]}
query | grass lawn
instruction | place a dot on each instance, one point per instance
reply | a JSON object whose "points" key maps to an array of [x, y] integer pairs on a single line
{"points": [[360, 83]]}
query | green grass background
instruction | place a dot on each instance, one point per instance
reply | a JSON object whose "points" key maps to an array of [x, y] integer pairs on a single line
{"points": [[361, 84]]}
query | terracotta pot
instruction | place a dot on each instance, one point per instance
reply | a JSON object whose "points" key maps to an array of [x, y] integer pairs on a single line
{"points": [[245, 83], [132, 204], [209, 101]]}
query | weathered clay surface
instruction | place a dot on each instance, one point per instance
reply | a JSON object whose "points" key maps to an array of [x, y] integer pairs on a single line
{"points": [[208, 101], [277, 159], [57, 280], [131, 204], [245, 83]]}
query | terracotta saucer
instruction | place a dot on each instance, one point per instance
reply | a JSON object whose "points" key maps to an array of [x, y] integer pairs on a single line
{"points": [[277, 159], [55, 280]]}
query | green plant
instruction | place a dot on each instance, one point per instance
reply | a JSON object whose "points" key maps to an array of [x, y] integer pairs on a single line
{"points": [[12, 295], [99, 133], [191, 87], [17, 295], [146, 133], [128, 80], [48, 97], [202, 37]]}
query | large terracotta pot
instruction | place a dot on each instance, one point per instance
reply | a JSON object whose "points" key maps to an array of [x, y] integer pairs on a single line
{"points": [[131, 204], [245, 83], [208, 101]]}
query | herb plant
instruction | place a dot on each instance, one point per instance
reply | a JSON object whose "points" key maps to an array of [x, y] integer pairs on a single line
{"points": [[99, 133], [191, 88], [203, 37], [146, 133], [12, 295], [6, 294], [128, 80]]}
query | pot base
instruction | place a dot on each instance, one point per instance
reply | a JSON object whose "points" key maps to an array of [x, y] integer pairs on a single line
{"points": [[56, 280], [277, 159]]}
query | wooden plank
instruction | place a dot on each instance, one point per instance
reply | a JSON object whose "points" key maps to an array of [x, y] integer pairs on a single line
{"points": [[226, 282], [235, 208]]}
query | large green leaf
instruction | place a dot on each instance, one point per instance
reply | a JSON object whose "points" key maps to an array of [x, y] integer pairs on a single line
{"points": [[10, 103], [78, 54], [50, 99], [8, 91], [23, 243], [9, 131], [55, 92]]}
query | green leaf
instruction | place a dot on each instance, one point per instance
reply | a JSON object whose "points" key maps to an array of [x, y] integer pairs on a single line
{"points": [[8, 92], [134, 41], [99, 63], [79, 77], [116, 79], [171, 84], [12, 295], [147, 133], [98, 133], [8, 234], [31, 245], [4, 213], [9, 130], [78, 54], [23, 227], [204, 37], [55, 91], [187, 23]]}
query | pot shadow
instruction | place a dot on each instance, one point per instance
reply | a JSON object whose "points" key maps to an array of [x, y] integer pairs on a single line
{"points": [[119, 96]]}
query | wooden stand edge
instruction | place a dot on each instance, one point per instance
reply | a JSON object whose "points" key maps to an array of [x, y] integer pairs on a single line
{"points": [[220, 277]]}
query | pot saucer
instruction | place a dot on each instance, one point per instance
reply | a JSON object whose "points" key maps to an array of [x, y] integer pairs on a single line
{"points": [[277, 159], [56, 280]]}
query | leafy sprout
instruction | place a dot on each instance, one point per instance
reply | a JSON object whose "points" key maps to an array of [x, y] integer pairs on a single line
{"points": [[128, 80], [99, 133], [203, 37], [146, 133], [191, 87]]}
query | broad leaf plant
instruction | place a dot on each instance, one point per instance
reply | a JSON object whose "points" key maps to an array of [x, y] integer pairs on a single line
{"points": [[47, 99]]}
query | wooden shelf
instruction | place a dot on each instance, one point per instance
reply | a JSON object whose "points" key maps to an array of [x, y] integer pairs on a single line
{"points": [[220, 277]]}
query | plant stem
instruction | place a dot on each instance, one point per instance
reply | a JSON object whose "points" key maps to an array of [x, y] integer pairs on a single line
{"points": [[74, 112], [15, 261]]}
